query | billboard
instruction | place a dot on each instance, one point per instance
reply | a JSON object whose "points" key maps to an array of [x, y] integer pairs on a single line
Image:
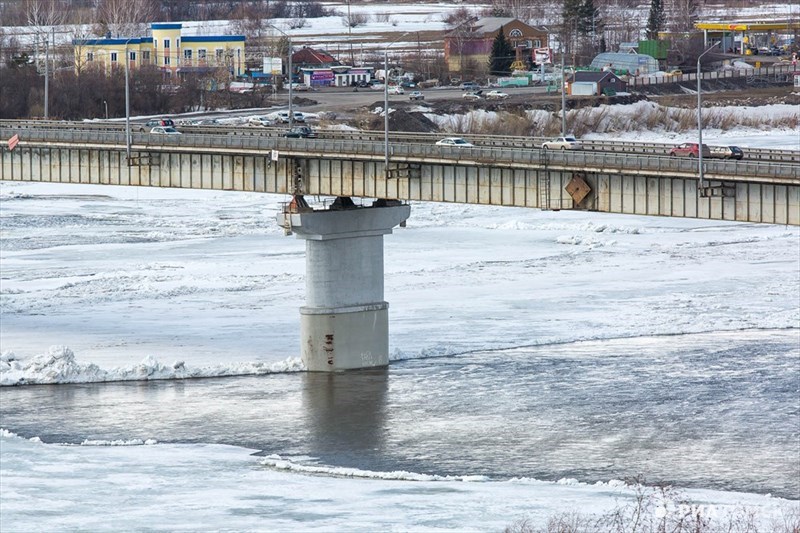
{"points": [[543, 55], [273, 65]]}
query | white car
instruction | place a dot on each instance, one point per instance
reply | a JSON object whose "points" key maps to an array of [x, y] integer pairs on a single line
{"points": [[496, 95], [455, 141], [396, 89], [302, 87], [261, 121], [165, 130], [472, 95], [562, 143], [283, 117]]}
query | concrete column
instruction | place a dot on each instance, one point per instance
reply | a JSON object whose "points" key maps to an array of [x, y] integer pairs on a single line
{"points": [[345, 322]]}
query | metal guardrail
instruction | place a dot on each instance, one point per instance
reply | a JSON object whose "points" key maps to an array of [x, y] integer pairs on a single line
{"points": [[426, 152], [505, 141]]}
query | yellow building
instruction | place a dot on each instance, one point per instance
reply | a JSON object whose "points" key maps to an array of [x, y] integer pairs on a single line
{"points": [[175, 54]]}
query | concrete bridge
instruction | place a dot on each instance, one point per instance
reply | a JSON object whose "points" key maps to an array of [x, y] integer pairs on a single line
{"points": [[344, 324]]}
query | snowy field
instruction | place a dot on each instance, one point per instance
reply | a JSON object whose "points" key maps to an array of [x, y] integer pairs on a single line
{"points": [[103, 283]]}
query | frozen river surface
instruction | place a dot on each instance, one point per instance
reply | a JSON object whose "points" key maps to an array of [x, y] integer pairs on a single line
{"points": [[539, 355]]}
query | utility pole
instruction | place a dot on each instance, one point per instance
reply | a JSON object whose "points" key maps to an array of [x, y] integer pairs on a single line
{"points": [[700, 184], [46, 80]]}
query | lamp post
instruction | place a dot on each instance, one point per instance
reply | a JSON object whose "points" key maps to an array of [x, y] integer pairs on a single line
{"points": [[563, 97], [700, 122], [289, 42], [127, 106], [106, 106], [46, 80], [386, 105]]}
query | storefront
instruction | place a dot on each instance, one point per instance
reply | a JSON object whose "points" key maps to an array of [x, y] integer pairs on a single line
{"points": [[340, 76]]}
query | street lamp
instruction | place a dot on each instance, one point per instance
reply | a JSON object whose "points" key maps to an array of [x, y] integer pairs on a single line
{"points": [[289, 42], [106, 106], [563, 97], [700, 122], [127, 106], [386, 105]]}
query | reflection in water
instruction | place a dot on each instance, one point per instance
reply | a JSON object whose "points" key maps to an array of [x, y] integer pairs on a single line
{"points": [[713, 410], [346, 412]]}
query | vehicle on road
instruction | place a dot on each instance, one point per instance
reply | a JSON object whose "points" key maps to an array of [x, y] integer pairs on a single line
{"points": [[150, 124], [261, 121], [473, 95], [165, 130], [301, 132], [455, 141], [496, 95], [689, 150], [283, 117], [727, 152], [562, 143], [416, 95], [302, 87], [396, 89], [470, 86]]}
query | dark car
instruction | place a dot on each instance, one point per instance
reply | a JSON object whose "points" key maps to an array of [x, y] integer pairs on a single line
{"points": [[301, 132]]}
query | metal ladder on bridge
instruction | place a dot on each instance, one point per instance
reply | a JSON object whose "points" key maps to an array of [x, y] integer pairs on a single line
{"points": [[544, 183]]}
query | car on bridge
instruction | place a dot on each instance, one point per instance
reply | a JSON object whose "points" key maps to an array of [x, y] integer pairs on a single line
{"points": [[689, 150], [164, 130], [455, 141], [416, 95], [283, 117], [496, 95], [562, 143], [470, 86], [396, 89], [301, 132], [727, 152], [261, 121], [472, 95], [150, 124]]}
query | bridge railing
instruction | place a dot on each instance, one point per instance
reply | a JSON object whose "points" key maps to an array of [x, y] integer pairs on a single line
{"points": [[424, 152]]}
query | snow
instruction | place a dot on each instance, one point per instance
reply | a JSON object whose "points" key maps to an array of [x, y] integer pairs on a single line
{"points": [[175, 487], [106, 283]]}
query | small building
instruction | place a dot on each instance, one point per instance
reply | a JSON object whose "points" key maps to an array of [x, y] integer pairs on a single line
{"points": [[603, 82], [338, 76], [472, 41], [308, 57], [168, 49], [633, 64]]}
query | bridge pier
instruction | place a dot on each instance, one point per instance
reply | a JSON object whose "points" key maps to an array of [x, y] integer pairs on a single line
{"points": [[345, 322]]}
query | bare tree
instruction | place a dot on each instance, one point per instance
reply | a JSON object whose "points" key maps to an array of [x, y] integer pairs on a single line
{"points": [[126, 17]]}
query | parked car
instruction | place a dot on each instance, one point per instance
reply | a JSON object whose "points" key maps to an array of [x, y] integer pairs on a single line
{"points": [[165, 130], [283, 117], [455, 141], [301, 132], [396, 89], [562, 143], [689, 150], [150, 124], [470, 86], [416, 95], [496, 95], [261, 121], [474, 95], [727, 152]]}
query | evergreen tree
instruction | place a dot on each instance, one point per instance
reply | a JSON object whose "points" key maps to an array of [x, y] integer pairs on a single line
{"points": [[655, 22], [588, 18], [502, 56]]}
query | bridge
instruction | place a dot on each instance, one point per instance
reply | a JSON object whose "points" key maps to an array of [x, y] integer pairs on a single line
{"points": [[344, 323]]}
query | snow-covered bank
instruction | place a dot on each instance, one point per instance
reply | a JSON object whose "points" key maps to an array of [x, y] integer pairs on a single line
{"points": [[174, 487]]}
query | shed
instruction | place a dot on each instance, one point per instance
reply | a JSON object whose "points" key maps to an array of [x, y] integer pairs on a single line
{"points": [[605, 82]]}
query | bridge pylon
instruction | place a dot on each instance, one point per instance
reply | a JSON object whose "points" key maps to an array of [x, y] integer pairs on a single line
{"points": [[344, 323]]}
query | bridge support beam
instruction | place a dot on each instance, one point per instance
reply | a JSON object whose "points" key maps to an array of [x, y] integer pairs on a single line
{"points": [[345, 322]]}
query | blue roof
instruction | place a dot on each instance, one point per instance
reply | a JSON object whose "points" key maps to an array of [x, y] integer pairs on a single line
{"points": [[212, 38], [134, 40], [165, 26]]}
